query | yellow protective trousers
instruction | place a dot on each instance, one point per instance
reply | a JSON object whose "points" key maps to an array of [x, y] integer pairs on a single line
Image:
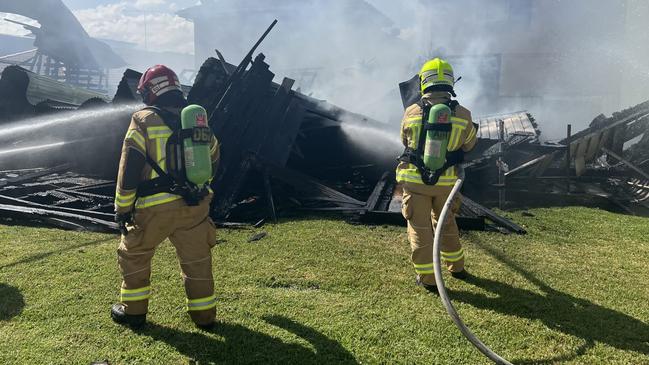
{"points": [[422, 205], [192, 233]]}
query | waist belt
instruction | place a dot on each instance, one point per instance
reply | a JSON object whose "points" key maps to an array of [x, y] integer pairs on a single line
{"points": [[428, 176], [165, 183]]}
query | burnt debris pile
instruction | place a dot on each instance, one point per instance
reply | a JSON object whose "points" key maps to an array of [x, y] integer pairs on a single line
{"points": [[285, 154]]}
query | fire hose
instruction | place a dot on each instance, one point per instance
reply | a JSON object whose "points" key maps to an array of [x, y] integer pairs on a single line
{"points": [[439, 280]]}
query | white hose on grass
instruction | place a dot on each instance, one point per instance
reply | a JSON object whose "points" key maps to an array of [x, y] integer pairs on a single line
{"points": [[439, 280]]}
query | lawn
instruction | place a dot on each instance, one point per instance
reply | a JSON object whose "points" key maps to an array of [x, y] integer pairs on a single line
{"points": [[575, 290]]}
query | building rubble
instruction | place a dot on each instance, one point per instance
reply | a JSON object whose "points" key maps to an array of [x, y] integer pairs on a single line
{"points": [[285, 154]]}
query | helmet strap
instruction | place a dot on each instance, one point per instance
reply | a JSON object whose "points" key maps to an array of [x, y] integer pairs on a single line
{"points": [[145, 93]]}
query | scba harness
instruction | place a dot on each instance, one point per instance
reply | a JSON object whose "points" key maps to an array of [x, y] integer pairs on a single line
{"points": [[442, 131], [186, 148]]}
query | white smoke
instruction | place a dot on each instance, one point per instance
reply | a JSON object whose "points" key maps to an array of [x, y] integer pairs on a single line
{"points": [[13, 28], [564, 61], [150, 24]]}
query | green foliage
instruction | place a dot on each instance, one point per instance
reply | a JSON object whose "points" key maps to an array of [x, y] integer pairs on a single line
{"points": [[319, 291]]}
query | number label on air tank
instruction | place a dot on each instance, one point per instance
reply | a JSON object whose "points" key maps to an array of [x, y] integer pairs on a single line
{"points": [[201, 135]]}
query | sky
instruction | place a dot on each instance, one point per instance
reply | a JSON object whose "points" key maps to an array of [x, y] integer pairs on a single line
{"points": [[150, 24], [123, 20]]}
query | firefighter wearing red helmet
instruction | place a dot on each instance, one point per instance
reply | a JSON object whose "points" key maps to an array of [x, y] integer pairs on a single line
{"points": [[155, 199]]}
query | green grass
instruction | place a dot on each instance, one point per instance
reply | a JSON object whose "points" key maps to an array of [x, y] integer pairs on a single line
{"points": [[575, 290]]}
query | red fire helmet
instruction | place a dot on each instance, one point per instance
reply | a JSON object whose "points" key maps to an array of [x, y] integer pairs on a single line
{"points": [[156, 81]]}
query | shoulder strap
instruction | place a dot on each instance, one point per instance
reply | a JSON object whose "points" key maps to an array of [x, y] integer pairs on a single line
{"points": [[155, 166], [165, 116], [425, 111]]}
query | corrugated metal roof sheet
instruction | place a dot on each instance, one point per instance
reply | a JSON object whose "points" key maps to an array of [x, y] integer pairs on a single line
{"points": [[16, 58], [42, 88], [514, 123]]}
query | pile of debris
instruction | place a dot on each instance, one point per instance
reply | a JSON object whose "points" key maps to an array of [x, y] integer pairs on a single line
{"points": [[282, 152], [603, 166], [285, 153]]}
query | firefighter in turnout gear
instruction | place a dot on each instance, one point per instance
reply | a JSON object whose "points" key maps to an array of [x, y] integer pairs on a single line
{"points": [[436, 132], [156, 198]]}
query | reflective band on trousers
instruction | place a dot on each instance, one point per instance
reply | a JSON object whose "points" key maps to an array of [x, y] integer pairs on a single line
{"points": [[424, 268], [453, 256], [201, 304], [132, 295]]}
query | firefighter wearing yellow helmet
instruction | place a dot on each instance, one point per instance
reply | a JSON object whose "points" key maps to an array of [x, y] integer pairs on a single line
{"points": [[436, 131]]}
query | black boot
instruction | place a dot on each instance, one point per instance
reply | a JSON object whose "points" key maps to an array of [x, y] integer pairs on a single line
{"points": [[429, 287], [462, 275], [131, 320], [206, 326]]}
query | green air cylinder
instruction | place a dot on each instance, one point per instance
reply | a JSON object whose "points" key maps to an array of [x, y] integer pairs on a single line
{"points": [[437, 140], [196, 148]]}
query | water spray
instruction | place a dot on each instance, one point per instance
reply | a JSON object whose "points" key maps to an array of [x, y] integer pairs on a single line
{"points": [[58, 138], [374, 137], [65, 118], [439, 280], [30, 148]]}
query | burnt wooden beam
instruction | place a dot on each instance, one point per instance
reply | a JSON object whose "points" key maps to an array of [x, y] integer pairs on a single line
{"points": [[65, 219], [373, 200], [493, 216], [311, 188], [270, 201], [7, 200], [624, 161]]}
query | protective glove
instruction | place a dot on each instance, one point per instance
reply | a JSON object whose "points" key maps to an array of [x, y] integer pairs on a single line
{"points": [[122, 219]]}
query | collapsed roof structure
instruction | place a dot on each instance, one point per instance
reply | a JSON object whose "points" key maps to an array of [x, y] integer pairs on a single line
{"points": [[282, 152], [63, 50], [285, 152]]}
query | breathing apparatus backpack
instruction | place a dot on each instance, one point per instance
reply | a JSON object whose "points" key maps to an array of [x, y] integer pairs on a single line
{"points": [[187, 157], [431, 157]]}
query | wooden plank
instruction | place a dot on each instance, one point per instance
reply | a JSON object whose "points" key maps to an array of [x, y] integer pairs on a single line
{"points": [[82, 220], [542, 167], [526, 166], [493, 216], [34, 175], [282, 128], [373, 199], [632, 118], [310, 186], [594, 146], [269, 197], [7, 200], [580, 155], [240, 127], [621, 159], [293, 120]]}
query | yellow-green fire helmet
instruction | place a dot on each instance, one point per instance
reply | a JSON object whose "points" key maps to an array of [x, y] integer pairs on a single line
{"points": [[437, 75]]}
